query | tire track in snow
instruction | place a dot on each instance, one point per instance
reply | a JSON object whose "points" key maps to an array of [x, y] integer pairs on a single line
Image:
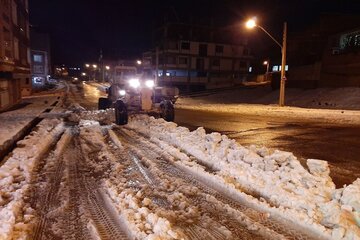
{"points": [[70, 205], [220, 217], [165, 163]]}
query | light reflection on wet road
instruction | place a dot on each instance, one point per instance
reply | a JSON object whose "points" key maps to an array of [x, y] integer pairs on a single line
{"points": [[335, 143]]}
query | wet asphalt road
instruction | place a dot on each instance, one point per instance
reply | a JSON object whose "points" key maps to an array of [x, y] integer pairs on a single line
{"points": [[338, 144]]}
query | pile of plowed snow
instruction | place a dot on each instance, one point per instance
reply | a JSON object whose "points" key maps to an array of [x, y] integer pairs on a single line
{"points": [[277, 179]]}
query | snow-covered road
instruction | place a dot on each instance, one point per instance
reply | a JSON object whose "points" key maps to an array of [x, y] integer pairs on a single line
{"points": [[83, 177], [101, 181]]}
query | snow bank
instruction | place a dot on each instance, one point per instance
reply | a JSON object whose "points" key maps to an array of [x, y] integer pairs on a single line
{"points": [[12, 122], [276, 177], [326, 98], [134, 209], [15, 178], [143, 222]]}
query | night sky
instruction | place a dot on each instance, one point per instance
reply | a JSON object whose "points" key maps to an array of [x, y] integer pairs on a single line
{"points": [[122, 28]]}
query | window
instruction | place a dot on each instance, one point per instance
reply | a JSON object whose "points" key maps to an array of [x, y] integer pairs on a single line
{"points": [[28, 55], [219, 49], [16, 49], [183, 60], [200, 64], [246, 51], [171, 60], [5, 4], [38, 58], [185, 45], [172, 45], [216, 62], [242, 64], [14, 12], [203, 50], [38, 69], [6, 18]]}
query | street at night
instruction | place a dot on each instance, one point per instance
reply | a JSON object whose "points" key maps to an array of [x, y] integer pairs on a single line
{"points": [[188, 120], [335, 143]]}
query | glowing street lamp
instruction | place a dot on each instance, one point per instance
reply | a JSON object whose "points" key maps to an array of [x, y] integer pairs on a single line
{"points": [[138, 62], [94, 66], [266, 63], [87, 65], [251, 23], [83, 74], [107, 67]]}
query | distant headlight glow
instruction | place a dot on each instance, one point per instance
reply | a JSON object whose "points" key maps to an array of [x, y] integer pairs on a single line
{"points": [[150, 83], [135, 83]]}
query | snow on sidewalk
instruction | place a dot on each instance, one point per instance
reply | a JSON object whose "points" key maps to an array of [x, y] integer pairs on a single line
{"points": [[285, 187], [330, 105], [16, 175], [13, 122]]}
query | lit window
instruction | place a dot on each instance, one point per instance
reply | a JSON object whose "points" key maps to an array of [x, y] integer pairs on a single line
{"points": [[275, 68], [250, 69], [38, 58]]}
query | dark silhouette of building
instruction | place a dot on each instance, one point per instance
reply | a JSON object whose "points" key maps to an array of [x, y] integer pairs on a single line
{"points": [[325, 54]]}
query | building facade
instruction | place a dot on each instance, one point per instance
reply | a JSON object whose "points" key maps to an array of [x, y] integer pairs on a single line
{"points": [[341, 60], [197, 57], [14, 52], [40, 59], [325, 54]]}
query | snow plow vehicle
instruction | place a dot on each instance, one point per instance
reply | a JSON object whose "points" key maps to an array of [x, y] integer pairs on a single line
{"points": [[139, 96]]}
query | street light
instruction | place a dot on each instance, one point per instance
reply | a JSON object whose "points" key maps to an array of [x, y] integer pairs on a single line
{"points": [[251, 23], [87, 65], [94, 66], [267, 63], [107, 67], [138, 62]]}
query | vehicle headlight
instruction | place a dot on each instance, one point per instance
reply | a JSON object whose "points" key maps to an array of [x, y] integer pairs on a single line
{"points": [[122, 92], [150, 83], [135, 83]]}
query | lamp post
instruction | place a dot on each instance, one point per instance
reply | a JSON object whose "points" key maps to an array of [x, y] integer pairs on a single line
{"points": [[266, 63], [251, 24]]}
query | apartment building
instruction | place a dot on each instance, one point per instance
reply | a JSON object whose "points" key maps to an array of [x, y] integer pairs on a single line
{"points": [[14, 52], [197, 57], [40, 58], [325, 54]]}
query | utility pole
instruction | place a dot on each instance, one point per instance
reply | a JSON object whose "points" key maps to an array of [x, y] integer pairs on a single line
{"points": [[283, 64], [157, 65], [156, 71], [102, 65]]}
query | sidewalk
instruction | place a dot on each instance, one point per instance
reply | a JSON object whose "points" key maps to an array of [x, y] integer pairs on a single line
{"points": [[19, 119], [340, 106]]}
